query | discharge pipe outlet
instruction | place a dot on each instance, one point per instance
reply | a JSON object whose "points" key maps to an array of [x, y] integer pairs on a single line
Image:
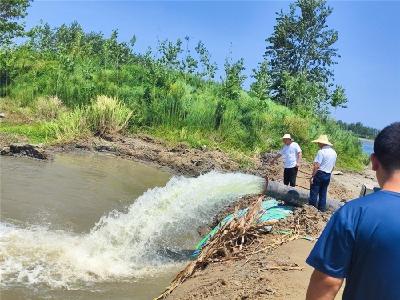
{"points": [[294, 196]]}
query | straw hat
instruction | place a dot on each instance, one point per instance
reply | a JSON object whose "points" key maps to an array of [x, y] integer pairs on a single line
{"points": [[287, 136], [323, 139]]}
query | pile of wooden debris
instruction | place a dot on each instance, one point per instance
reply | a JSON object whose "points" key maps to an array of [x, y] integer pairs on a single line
{"points": [[233, 239]]}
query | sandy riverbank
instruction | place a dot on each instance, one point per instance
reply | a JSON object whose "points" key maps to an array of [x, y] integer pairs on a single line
{"points": [[279, 272], [253, 280]]}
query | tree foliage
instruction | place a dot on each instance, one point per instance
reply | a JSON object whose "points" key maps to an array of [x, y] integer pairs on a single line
{"points": [[302, 94], [338, 97], [302, 43], [11, 14], [234, 78], [170, 52], [360, 129], [71, 42], [208, 67], [262, 81], [189, 63]]}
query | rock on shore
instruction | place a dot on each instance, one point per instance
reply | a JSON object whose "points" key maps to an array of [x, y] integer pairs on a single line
{"points": [[21, 149]]}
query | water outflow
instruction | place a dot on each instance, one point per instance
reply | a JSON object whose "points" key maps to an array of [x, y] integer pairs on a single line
{"points": [[122, 245]]}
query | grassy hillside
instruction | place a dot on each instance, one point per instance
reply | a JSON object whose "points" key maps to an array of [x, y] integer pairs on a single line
{"points": [[55, 96]]}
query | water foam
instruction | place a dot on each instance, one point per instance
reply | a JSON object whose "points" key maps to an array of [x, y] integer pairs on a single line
{"points": [[121, 245]]}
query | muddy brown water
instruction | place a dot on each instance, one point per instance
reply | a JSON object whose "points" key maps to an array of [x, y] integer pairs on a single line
{"points": [[92, 226], [70, 194]]}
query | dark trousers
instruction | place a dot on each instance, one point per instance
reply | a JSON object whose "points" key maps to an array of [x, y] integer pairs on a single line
{"points": [[319, 190], [289, 176]]}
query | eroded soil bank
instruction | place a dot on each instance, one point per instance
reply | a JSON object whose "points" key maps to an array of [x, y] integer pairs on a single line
{"points": [[183, 160]]}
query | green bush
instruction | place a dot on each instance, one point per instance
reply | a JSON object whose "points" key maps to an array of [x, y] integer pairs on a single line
{"points": [[107, 115], [298, 127], [48, 108], [70, 126]]}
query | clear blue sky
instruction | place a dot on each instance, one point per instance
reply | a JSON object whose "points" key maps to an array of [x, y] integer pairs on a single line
{"points": [[369, 39]]}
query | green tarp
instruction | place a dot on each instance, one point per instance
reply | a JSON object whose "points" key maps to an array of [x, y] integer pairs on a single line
{"points": [[270, 210]]}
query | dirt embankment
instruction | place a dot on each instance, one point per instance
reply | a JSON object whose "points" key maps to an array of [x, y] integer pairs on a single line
{"points": [[253, 264], [183, 160]]}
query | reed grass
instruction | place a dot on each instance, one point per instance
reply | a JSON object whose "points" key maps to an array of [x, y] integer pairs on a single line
{"points": [[70, 126], [107, 115], [47, 108]]}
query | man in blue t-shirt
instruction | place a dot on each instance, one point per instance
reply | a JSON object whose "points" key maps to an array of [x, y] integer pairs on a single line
{"points": [[361, 242]]}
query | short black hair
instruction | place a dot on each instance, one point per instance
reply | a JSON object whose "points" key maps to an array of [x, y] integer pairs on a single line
{"points": [[387, 147]]}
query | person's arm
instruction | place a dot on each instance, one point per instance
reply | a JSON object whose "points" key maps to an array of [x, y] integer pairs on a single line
{"points": [[323, 287], [279, 154], [314, 171], [316, 165], [299, 157]]}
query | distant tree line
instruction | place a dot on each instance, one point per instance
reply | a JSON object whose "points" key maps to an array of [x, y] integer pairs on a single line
{"points": [[359, 129]]}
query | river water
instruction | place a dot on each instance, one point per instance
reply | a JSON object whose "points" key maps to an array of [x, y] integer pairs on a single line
{"points": [[367, 146], [91, 226]]}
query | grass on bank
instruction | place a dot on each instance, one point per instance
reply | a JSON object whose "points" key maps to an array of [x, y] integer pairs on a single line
{"points": [[55, 123], [36, 133]]}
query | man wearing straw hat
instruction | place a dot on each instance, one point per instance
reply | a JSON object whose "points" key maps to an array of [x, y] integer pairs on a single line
{"points": [[324, 164], [291, 153]]}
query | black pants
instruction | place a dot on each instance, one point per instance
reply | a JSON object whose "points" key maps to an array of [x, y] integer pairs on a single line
{"points": [[289, 176]]}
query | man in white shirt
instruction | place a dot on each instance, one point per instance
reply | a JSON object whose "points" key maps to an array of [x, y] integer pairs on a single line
{"points": [[324, 163], [291, 154]]}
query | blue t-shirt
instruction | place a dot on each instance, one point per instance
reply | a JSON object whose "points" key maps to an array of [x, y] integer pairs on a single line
{"points": [[361, 243]]}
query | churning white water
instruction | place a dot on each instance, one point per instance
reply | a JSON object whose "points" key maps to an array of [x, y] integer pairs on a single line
{"points": [[121, 245]]}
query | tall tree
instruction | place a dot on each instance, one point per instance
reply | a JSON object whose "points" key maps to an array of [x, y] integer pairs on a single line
{"points": [[209, 67], [189, 63], [302, 94], [339, 98], [11, 14], [170, 52], [231, 87], [115, 53], [260, 87], [234, 78], [302, 43]]}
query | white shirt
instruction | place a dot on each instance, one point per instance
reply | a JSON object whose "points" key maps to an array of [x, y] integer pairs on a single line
{"points": [[326, 157], [289, 154]]}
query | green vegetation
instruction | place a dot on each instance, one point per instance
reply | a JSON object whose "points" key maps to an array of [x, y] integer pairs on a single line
{"points": [[301, 50], [11, 13], [360, 130], [37, 133], [53, 82], [107, 116], [55, 123]]}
